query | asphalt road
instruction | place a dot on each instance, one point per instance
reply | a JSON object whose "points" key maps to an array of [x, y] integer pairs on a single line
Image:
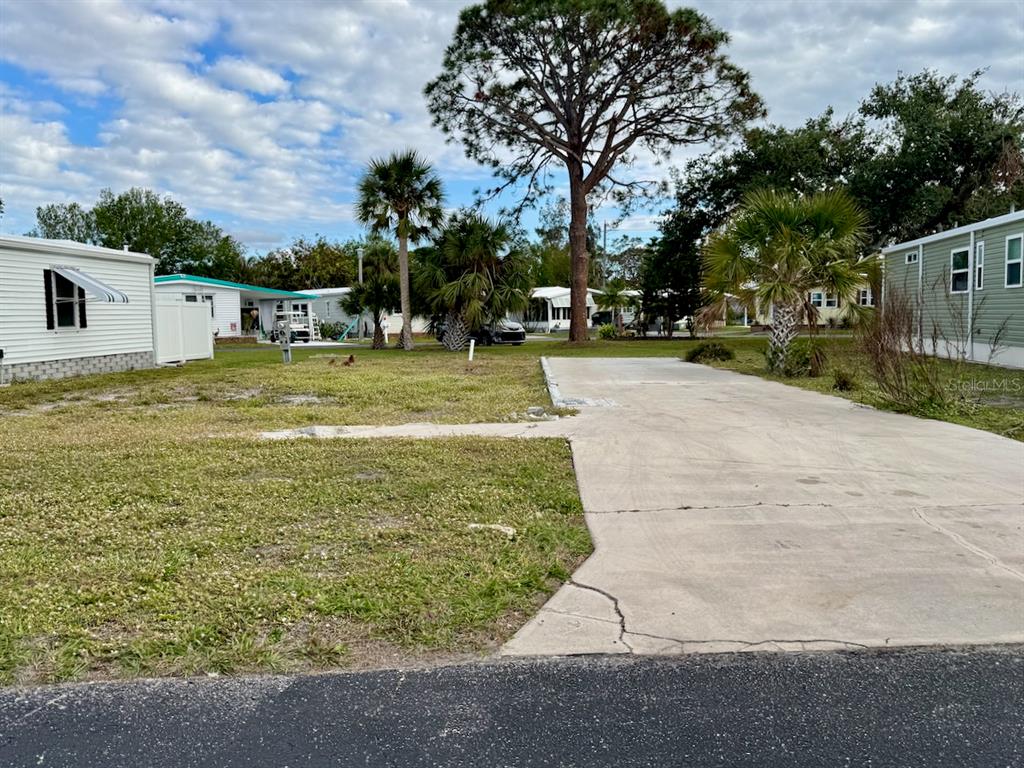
{"points": [[866, 708]]}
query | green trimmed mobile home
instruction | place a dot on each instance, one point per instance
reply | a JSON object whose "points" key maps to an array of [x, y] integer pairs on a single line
{"points": [[967, 287]]}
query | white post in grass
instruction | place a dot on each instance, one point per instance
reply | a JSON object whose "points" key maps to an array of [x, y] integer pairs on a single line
{"points": [[472, 346]]}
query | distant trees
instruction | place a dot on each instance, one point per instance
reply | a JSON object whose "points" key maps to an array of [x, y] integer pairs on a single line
{"points": [[923, 153], [580, 86], [777, 248], [672, 275], [401, 195], [472, 275], [143, 221]]}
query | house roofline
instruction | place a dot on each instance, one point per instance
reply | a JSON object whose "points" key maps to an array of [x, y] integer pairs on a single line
{"points": [[183, 278], [71, 248], [995, 221]]}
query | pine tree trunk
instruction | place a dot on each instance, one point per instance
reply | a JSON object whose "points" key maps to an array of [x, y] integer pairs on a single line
{"points": [[405, 341], [783, 331], [579, 259], [456, 332]]}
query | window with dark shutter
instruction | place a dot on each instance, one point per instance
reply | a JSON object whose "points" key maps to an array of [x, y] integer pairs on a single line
{"points": [[48, 292]]}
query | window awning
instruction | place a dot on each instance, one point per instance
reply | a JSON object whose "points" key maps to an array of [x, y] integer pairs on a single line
{"points": [[98, 290]]}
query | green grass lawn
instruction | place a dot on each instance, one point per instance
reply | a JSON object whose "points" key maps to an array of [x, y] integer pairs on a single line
{"points": [[125, 556]]}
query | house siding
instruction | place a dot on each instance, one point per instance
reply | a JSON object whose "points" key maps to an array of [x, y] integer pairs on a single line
{"points": [[112, 329], [970, 323]]}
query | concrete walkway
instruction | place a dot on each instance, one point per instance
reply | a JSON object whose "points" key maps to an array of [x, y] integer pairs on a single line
{"points": [[732, 513]]}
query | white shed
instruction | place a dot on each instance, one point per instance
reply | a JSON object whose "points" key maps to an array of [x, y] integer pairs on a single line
{"points": [[68, 308]]}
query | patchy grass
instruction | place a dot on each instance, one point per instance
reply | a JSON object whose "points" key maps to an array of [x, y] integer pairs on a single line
{"points": [[246, 390], [121, 556]]}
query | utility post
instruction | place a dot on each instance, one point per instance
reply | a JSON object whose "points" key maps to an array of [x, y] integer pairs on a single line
{"points": [[284, 330], [359, 255]]}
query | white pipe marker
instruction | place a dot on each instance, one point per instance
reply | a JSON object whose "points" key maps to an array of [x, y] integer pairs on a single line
{"points": [[472, 346]]}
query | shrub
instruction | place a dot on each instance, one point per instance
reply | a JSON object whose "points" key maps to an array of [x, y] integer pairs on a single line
{"points": [[843, 380], [805, 358], [709, 350], [331, 330], [607, 331]]}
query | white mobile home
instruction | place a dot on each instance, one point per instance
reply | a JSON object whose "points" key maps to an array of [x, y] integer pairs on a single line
{"points": [[237, 309], [549, 309], [68, 309]]}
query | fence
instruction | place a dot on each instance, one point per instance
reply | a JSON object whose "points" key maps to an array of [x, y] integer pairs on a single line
{"points": [[183, 332]]}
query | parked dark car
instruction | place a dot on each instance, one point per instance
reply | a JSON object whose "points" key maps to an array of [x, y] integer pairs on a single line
{"points": [[499, 332]]}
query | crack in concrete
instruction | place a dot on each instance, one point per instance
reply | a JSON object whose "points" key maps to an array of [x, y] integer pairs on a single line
{"points": [[973, 548], [754, 643], [615, 605]]}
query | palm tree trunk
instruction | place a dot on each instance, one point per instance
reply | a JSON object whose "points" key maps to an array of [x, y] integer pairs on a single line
{"points": [[405, 341], [456, 332], [783, 330], [378, 332]]}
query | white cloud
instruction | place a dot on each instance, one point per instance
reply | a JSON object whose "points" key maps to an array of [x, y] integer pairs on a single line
{"points": [[239, 73], [262, 114]]}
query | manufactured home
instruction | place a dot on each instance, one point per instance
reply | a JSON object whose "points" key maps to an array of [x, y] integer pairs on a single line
{"points": [[67, 309], [237, 309], [966, 286], [549, 309]]}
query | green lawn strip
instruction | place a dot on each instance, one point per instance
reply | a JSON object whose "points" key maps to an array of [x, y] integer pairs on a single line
{"points": [[985, 397], [126, 557]]}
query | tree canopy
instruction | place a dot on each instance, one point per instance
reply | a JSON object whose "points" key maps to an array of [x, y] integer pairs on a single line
{"points": [[143, 221], [580, 86], [923, 153]]}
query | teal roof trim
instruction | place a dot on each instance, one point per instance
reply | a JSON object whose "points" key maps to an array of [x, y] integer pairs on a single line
{"points": [[229, 284]]}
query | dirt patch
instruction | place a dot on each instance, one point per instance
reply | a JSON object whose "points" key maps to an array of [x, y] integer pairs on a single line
{"points": [[302, 400]]}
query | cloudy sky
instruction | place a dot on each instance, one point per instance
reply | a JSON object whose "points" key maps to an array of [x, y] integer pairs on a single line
{"points": [[261, 115]]}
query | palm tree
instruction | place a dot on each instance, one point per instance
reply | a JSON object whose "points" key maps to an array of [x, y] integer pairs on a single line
{"points": [[473, 275], [379, 292], [402, 195], [777, 249], [615, 296]]}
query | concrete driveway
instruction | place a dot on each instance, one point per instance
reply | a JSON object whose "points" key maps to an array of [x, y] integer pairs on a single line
{"points": [[732, 513]]}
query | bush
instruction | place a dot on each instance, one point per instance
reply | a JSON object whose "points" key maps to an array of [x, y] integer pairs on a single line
{"points": [[843, 380], [709, 350], [805, 358], [331, 330], [607, 331]]}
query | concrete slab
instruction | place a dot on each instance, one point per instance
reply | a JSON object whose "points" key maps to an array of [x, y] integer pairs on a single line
{"points": [[731, 513]]}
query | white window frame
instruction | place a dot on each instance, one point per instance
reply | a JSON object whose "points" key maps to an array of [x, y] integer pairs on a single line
{"points": [[911, 257], [979, 265], [831, 302], [866, 297], [76, 313], [817, 299], [1009, 261], [954, 272]]}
